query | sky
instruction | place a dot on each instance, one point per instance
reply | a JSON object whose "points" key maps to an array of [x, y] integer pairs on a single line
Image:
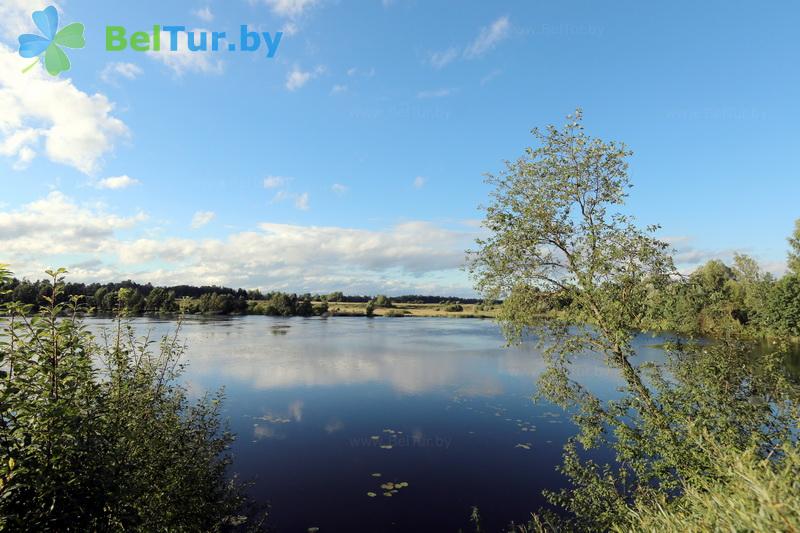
{"points": [[354, 158]]}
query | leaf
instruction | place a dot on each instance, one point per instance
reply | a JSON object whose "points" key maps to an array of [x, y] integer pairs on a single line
{"points": [[71, 36], [47, 21], [32, 45], [55, 60]]}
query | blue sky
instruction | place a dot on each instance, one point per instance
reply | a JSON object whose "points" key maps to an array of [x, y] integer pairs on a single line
{"points": [[354, 158]]}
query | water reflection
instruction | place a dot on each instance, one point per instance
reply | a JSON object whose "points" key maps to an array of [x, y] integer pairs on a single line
{"points": [[438, 408]]}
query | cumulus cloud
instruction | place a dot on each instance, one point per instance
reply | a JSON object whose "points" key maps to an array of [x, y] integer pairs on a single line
{"points": [[15, 16], [40, 112], [115, 71], [117, 182], [183, 61], [290, 8], [419, 182], [689, 257], [57, 225], [201, 218], [410, 257], [297, 77], [339, 189]]}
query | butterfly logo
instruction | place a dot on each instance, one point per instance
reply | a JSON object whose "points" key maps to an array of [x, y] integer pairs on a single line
{"points": [[48, 45]]}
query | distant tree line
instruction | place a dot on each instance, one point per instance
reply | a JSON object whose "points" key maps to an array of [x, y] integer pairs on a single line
{"points": [[137, 298], [717, 299]]}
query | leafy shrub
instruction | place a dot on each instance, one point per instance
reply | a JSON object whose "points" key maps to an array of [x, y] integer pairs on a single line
{"points": [[382, 301], [110, 446]]}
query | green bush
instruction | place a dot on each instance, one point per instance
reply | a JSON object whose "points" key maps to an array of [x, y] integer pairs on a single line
{"points": [[382, 300], [742, 492], [99, 436]]}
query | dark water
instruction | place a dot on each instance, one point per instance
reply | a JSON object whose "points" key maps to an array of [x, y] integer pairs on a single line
{"points": [[321, 406]]}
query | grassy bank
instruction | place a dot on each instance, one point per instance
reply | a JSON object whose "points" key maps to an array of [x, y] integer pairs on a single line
{"points": [[413, 310]]}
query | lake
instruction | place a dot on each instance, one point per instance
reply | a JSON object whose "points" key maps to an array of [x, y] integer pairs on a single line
{"points": [[327, 410]]}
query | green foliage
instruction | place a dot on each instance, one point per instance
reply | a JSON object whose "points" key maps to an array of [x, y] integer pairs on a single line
{"points": [[783, 306], [161, 300], [282, 304], [110, 446], [794, 250], [335, 297], [584, 279], [742, 491], [382, 300]]}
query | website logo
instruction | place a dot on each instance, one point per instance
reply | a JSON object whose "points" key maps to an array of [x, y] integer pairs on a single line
{"points": [[177, 38], [48, 45]]}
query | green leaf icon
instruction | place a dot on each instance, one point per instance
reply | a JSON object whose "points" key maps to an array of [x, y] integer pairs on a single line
{"points": [[50, 41], [55, 60], [71, 36]]}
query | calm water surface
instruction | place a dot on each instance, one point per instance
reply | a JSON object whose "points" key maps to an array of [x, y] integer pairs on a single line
{"points": [[321, 406]]}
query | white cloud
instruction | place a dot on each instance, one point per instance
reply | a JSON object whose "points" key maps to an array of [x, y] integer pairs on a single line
{"points": [[301, 201], [338, 89], [115, 70], [182, 60], [435, 93], [290, 28], [57, 225], [15, 16], [488, 38], [273, 182], [411, 257], [339, 189], [297, 77], [419, 182], [443, 58], [201, 218], [290, 8], [204, 14], [117, 182], [76, 129], [688, 257]]}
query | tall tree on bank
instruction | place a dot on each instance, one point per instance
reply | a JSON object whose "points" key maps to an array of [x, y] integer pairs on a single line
{"points": [[583, 279], [794, 251], [556, 235]]}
